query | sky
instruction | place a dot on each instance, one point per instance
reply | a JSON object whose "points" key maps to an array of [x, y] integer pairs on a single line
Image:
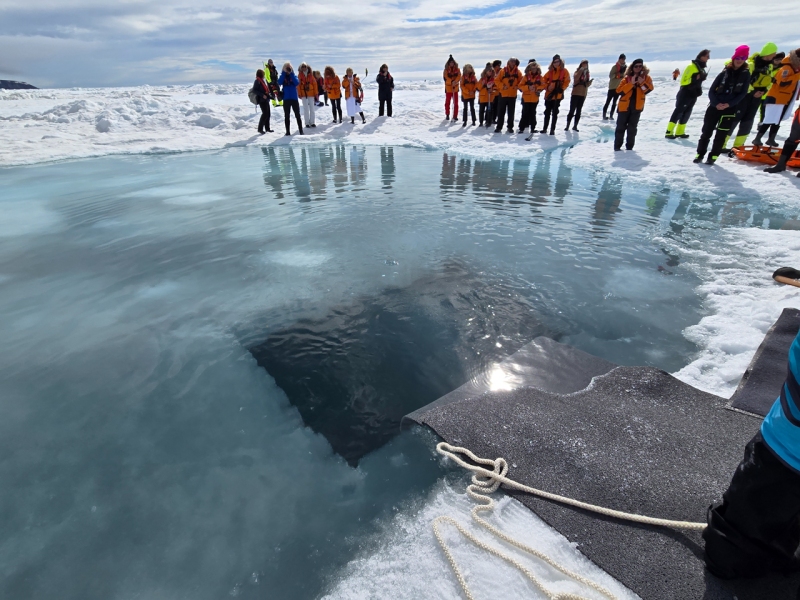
{"points": [[94, 43]]}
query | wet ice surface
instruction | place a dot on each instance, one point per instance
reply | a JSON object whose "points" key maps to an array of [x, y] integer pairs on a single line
{"points": [[151, 456]]}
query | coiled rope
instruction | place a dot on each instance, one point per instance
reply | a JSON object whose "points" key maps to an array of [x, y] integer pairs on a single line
{"points": [[485, 482]]}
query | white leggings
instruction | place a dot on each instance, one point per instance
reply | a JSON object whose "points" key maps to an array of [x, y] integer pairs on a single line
{"points": [[308, 110]]}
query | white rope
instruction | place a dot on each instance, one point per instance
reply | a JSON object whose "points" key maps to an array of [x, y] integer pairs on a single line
{"points": [[484, 482]]}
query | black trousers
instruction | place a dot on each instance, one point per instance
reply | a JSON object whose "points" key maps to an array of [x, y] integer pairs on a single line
{"points": [[627, 127], [719, 120], [528, 118], [471, 104], [263, 123], [336, 108], [684, 104], [495, 107], [575, 107], [756, 529], [550, 110], [484, 112], [611, 98], [748, 109], [292, 105], [388, 103], [506, 105]]}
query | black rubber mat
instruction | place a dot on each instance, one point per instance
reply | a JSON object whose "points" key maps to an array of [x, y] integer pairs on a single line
{"points": [[762, 381], [636, 440]]}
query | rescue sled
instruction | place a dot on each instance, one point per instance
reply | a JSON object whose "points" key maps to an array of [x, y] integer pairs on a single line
{"points": [[765, 154]]}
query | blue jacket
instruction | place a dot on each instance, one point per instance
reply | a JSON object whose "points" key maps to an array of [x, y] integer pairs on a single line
{"points": [[781, 426], [289, 82]]}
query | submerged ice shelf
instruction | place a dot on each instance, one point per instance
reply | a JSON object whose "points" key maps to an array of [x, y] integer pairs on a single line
{"points": [[139, 430]]}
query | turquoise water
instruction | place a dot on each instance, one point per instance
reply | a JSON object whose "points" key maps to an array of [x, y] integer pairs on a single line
{"points": [[205, 357]]}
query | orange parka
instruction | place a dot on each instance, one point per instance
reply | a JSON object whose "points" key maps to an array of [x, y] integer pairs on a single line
{"points": [[495, 90], [468, 86], [627, 89], [785, 81], [484, 89], [356, 87], [530, 86], [334, 87], [507, 82], [555, 82], [452, 77], [308, 86]]}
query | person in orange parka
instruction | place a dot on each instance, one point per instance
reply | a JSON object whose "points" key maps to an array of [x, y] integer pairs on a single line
{"points": [[556, 80], [468, 85], [333, 88], [485, 87], [632, 89], [307, 91], [497, 65], [452, 77], [780, 98], [507, 84], [530, 86], [353, 95]]}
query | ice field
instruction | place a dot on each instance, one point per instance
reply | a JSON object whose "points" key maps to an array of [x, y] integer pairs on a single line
{"points": [[209, 337]]}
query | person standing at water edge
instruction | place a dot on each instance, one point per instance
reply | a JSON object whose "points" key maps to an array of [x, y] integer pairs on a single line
{"points": [[288, 80], [781, 98], [468, 86], [726, 95], [321, 89], [761, 69], [273, 82], [333, 87], [263, 95], [497, 66], [353, 96], [614, 78], [385, 90], [632, 91], [756, 529], [556, 81], [691, 89], [530, 86], [485, 86], [507, 83], [452, 77], [307, 91], [581, 80]]}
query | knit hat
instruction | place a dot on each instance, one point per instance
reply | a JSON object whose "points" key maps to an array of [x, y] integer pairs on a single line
{"points": [[638, 61], [557, 57], [741, 53], [622, 56], [769, 48]]}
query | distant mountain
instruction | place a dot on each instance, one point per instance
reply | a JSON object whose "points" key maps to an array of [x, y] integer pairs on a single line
{"points": [[5, 84]]}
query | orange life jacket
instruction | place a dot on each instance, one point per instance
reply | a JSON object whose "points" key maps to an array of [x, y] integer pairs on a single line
{"points": [[626, 88], [334, 87], [484, 89], [507, 82], [307, 87], [468, 85], [451, 79], [356, 88], [530, 86], [555, 82]]}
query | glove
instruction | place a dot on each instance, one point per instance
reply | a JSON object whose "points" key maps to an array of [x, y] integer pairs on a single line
{"points": [[769, 100]]}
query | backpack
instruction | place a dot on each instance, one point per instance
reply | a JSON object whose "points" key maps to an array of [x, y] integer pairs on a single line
{"points": [[253, 96]]}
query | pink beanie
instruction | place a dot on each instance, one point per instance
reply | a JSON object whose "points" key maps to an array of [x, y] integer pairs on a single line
{"points": [[741, 53]]}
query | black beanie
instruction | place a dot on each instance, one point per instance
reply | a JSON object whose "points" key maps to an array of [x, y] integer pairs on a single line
{"points": [[557, 57], [622, 56], [638, 61]]}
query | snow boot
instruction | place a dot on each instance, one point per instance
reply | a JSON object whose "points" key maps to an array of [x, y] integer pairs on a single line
{"points": [[546, 123], [680, 131], [568, 122], [670, 135], [553, 126], [464, 124], [575, 127], [711, 160], [352, 120], [773, 131], [786, 154], [698, 159], [762, 129]]}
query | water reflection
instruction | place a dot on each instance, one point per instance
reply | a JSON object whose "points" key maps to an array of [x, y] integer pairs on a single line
{"points": [[307, 172], [563, 178], [606, 206], [387, 166]]}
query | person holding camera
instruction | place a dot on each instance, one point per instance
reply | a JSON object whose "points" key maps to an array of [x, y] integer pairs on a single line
{"points": [[333, 89], [632, 91], [263, 95], [308, 92], [385, 89], [354, 95], [556, 80], [581, 80], [507, 84], [289, 82]]}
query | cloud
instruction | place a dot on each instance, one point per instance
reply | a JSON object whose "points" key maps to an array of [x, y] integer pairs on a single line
{"points": [[92, 43]]}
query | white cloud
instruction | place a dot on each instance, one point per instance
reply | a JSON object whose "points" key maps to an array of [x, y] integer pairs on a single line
{"points": [[148, 41]]}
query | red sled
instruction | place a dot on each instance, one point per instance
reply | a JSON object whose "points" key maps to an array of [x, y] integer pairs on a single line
{"points": [[765, 155]]}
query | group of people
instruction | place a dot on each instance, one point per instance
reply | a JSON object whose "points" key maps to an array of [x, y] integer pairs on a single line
{"points": [[290, 89], [765, 84]]}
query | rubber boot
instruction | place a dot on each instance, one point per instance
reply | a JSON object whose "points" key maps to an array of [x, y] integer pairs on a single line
{"points": [[567, 127], [575, 127], [680, 131], [670, 135], [553, 126], [773, 131], [738, 141], [786, 154], [300, 126], [546, 123], [762, 129]]}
